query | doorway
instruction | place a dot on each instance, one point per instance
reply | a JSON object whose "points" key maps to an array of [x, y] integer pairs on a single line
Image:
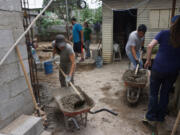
{"points": [[124, 23]]}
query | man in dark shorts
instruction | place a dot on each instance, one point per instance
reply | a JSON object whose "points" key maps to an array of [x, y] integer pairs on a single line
{"points": [[77, 38]]}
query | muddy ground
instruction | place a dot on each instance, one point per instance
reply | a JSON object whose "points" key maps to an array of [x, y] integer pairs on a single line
{"points": [[106, 88]]}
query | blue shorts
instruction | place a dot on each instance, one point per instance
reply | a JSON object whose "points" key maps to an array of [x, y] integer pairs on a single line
{"points": [[78, 47]]}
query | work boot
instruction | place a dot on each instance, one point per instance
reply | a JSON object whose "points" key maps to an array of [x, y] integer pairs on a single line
{"points": [[146, 121]]}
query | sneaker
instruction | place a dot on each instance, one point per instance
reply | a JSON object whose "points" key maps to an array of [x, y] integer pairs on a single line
{"points": [[146, 121]]}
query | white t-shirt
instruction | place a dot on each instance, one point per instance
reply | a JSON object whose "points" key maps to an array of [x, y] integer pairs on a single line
{"points": [[134, 40]]}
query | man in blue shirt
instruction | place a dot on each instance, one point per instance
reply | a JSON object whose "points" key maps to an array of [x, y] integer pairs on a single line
{"points": [[164, 70], [77, 38]]}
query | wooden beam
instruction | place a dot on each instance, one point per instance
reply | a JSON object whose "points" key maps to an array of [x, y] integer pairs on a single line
{"points": [[173, 8]]}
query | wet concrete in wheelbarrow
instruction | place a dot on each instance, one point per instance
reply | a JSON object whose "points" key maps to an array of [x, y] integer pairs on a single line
{"points": [[141, 77]]}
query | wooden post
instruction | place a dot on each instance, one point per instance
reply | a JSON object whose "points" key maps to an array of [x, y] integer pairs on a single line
{"points": [[173, 8]]}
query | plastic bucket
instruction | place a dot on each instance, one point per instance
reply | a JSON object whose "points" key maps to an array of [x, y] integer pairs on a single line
{"points": [[99, 62], [48, 67]]}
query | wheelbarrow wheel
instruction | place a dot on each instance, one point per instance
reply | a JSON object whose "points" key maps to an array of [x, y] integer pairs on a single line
{"points": [[132, 95]]}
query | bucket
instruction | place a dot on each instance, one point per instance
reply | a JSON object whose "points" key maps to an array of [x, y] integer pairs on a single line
{"points": [[99, 62], [48, 67]]}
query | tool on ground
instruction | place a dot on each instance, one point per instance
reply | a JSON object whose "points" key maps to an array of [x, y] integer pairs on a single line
{"points": [[137, 67], [176, 124], [38, 109], [79, 103]]}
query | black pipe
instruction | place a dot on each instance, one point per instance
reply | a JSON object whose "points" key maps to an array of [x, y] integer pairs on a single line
{"points": [[104, 109]]}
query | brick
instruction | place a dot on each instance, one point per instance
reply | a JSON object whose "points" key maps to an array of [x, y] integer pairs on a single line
{"points": [[17, 86], [9, 72], [10, 5], [14, 104], [4, 93]]}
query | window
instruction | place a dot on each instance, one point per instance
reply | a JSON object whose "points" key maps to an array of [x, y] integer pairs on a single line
{"points": [[160, 18]]}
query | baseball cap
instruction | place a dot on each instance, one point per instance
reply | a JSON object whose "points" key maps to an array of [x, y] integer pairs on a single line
{"points": [[60, 41]]}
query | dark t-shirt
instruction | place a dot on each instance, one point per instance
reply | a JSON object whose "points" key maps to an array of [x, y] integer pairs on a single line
{"points": [[87, 33], [168, 58]]}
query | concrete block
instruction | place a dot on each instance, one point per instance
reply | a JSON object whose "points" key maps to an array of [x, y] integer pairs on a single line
{"points": [[13, 55], [10, 107], [4, 92], [23, 51], [9, 72], [6, 38], [11, 58], [10, 5], [17, 32], [27, 96], [28, 106], [24, 125], [46, 133], [27, 109], [11, 19], [4, 134], [26, 65], [4, 123], [17, 86]]}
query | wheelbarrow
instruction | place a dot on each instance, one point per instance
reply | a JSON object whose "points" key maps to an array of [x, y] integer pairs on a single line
{"points": [[78, 116], [133, 88]]}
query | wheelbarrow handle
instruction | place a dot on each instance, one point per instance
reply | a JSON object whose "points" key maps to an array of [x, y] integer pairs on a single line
{"points": [[104, 109]]}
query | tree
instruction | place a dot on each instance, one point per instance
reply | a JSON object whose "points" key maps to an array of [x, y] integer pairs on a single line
{"points": [[59, 7]]}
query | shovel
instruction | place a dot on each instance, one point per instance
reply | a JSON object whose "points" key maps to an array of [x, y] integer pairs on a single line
{"points": [[137, 67], [81, 101]]}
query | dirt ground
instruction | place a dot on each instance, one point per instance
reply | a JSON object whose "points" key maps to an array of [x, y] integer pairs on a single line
{"points": [[106, 88]]}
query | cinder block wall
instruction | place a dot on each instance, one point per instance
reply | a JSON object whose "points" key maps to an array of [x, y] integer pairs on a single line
{"points": [[14, 95]]}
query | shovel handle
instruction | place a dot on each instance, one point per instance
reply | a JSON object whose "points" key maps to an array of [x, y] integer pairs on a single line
{"points": [[75, 89], [137, 67]]}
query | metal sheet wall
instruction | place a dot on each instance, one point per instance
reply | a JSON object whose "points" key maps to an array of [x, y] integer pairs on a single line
{"points": [[107, 34]]}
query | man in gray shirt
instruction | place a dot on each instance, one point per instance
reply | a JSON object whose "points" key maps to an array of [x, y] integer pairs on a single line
{"points": [[134, 45], [67, 59]]}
